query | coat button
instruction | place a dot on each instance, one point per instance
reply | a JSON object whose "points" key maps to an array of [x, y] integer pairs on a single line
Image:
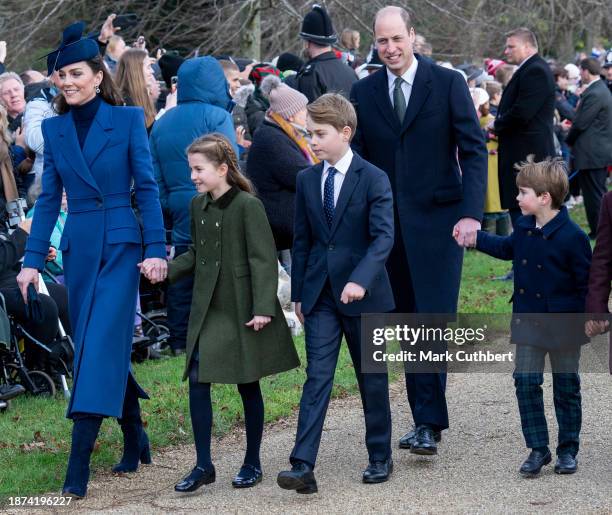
{"points": [[539, 267], [203, 261], [216, 263], [331, 247], [524, 262], [539, 296], [202, 221], [202, 242], [545, 237], [517, 321], [529, 233], [99, 203], [217, 224], [521, 291], [217, 244]]}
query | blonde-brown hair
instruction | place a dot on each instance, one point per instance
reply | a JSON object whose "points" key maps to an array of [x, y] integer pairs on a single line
{"points": [[132, 83], [549, 175], [335, 110], [349, 39], [218, 150]]}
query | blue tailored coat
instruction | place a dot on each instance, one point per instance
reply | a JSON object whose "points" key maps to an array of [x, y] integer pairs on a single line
{"points": [[436, 161], [356, 246], [101, 243], [551, 275]]}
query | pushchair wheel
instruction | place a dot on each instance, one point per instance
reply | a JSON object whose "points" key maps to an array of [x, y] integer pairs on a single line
{"points": [[4, 406], [45, 386]]}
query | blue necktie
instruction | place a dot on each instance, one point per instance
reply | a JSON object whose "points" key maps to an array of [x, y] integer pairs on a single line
{"points": [[328, 196]]}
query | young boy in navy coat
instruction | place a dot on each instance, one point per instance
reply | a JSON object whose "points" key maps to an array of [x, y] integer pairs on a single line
{"points": [[551, 257], [343, 236]]}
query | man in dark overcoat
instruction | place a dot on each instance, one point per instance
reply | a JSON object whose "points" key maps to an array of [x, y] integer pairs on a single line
{"points": [[416, 121], [524, 122]]}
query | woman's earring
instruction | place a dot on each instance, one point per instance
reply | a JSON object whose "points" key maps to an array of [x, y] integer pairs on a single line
{"points": [[97, 89]]}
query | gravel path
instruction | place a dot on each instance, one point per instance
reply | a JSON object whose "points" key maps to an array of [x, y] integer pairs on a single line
{"points": [[475, 470]]}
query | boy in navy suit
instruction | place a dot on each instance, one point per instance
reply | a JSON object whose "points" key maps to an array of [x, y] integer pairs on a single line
{"points": [[343, 236], [551, 258]]}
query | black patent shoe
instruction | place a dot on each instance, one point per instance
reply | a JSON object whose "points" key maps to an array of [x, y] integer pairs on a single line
{"points": [[534, 463], [378, 471], [196, 478], [566, 464], [300, 478], [406, 441], [248, 476], [424, 442]]}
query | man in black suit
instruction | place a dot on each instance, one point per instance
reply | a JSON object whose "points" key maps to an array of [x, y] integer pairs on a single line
{"points": [[524, 123], [590, 138], [417, 122]]}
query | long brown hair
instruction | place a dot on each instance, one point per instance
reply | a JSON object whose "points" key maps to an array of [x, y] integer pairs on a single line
{"points": [[132, 83], [218, 150], [108, 90]]}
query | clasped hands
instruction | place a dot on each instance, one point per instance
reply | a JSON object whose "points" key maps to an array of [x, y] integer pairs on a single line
{"points": [[465, 232], [154, 269]]}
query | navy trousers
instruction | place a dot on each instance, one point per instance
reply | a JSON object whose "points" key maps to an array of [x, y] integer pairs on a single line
{"points": [[528, 379], [178, 308], [324, 328], [426, 391]]}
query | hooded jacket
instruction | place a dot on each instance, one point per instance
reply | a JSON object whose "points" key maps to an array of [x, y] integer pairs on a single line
{"points": [[203, 106]]}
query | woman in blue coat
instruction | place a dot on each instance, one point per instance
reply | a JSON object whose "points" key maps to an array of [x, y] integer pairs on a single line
{"points": [[96, 151]]}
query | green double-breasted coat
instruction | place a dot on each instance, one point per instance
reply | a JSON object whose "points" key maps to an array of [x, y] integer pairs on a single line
{"points": [[234, 264]]}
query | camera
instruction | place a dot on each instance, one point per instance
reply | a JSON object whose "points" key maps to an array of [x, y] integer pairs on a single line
{"points": [[16, 211]]}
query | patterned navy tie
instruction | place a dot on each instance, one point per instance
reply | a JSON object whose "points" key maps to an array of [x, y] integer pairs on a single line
{"points": [[328, 195]]}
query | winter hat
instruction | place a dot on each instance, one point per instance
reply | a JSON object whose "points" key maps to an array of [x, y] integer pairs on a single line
{"points": [[169, 65], [492, 65], [318, 28], [73, 48], [288, 61], [284, 100], [479, 95], [260, 71]]}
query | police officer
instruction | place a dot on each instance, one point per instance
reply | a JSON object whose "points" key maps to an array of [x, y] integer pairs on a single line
{"points": [[324, 72]]}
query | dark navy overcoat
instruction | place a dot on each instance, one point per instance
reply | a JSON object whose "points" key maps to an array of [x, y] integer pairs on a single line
{"points": [[102, 243]]}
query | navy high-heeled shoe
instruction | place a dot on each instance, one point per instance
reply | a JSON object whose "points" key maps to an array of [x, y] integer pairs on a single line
{"points": [[84, 434], [136, 448]]}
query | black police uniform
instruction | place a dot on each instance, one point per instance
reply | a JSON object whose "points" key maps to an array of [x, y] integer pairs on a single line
{"points": [[325, 74]]}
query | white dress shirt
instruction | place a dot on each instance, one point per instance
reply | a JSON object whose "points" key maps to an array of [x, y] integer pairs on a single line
{"points": [[341, 167], [407, 83]]}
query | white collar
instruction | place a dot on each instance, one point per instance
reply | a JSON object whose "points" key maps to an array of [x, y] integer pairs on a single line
{"points": [[525, 61], [592, 82], [343, 163], [408, 75]]}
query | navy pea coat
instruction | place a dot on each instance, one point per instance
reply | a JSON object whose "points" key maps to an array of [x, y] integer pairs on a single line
{"points": [[551, 275], [102, 243], [437, 164]]}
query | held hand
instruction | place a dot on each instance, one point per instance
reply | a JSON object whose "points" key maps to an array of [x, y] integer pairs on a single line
{"points": [[595, 327], [25, 277], [258, 322], [352, 292], [465, 232], [240, 139], [154, 269], [298, 312], [52, 254]]}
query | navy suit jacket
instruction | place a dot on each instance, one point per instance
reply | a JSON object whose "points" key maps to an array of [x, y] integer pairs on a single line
{"points": [[436, 161], [356, 246]]}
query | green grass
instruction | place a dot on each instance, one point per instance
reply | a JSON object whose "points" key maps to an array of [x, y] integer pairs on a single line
{"points": [[35, 436]]}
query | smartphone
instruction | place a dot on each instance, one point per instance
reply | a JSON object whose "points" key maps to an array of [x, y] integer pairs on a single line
{"points": [[173, 83], [126, 21]]}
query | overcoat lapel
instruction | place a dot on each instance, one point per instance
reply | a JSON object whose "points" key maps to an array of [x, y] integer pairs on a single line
{"points": [[419, 94]]}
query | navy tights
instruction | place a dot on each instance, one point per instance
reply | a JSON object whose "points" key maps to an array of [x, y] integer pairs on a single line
{"points": [[200, 406]]}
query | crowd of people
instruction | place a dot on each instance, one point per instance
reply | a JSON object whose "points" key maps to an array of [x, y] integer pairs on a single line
{"points": [[364, 177]]}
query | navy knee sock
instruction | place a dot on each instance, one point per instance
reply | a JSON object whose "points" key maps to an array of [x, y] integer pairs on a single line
{"points": [[252, 402]]}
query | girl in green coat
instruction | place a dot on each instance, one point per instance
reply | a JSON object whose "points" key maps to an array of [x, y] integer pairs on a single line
{"points": [[237, 332]]}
